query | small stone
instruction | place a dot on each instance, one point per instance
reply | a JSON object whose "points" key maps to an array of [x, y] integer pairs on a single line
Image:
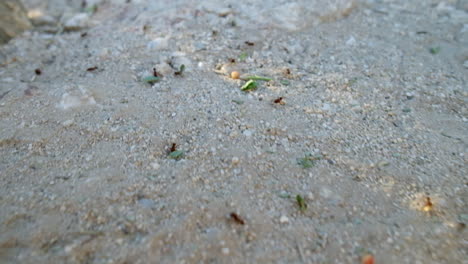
{"points": [[284, 219], [40, 19], [351, 41], [77, 22], [147, 203], [225, 251], [68, 123], [247, 133], [235, 161], [155, 165], [158, 44], [465, 64]]}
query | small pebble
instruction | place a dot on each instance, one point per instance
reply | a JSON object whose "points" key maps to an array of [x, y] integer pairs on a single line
{"points": [[77, 22], [465, 64], [284, 219], [225, 251], [155, 165], [235, 161]]}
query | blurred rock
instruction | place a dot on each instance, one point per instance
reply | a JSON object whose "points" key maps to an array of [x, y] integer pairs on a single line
{"points": [[13, 19], [463, 4], [77, 22]]}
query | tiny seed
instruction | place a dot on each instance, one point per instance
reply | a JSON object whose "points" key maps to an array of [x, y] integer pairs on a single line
{"points": [[235, 75]]}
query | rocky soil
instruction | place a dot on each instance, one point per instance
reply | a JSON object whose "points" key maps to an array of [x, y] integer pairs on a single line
{"points": [[355, 144]]}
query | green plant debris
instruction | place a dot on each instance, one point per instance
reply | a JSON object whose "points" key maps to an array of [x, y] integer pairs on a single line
{"points": [[352, 81], [177, 154], [239, 102], [284, 82], [181, 70], [257, 78], [249, 86], [308, 161], [301, 203], [305, 162], [284, 195], [92, 9], [434, 50], [151, 79], [243, 56]]}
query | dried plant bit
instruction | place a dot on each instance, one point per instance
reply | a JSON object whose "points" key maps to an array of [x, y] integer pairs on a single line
{"points": [[428, 205], [156, 73], [173, 147], [249, 43], [249, 86], [279, 100], [38, 71], [151, 79], [181, 70], [237, 218], [301, 203], [308, 160], [177, 155], [368, 259], [90, 69], [257, 78]]}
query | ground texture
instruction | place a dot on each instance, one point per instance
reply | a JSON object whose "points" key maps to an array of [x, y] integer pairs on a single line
{"points": [[356, 146]]}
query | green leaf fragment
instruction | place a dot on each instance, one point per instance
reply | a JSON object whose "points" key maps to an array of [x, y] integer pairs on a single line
{"points": [[243, 56], [178, 154], [434, 50], [92, 9], [301, 203], [284, 82], [305, 162], [308, 161], [257, 78], [181, 70], [249, 86], [151, 79]]}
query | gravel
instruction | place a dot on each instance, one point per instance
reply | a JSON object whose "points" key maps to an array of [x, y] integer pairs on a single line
{"points": [[382, 121]]}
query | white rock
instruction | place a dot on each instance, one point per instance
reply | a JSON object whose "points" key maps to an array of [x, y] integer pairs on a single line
{"points": [[155, 165], [77, 22], [351, 41], [72, 100], [247, 133], [225, 251], [68, 123], [284, 219], [164, 68], [158, 44]]}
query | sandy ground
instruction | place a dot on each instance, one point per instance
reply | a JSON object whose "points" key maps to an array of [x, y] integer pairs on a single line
{"points": [[370, 132]]}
